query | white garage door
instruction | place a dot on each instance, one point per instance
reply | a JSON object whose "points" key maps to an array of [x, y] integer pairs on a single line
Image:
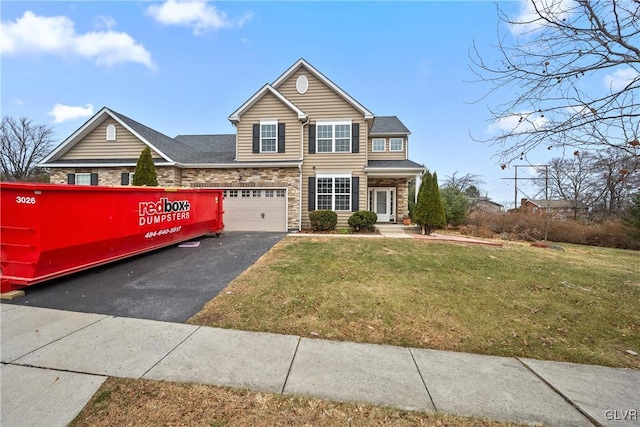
{"points": [[255, 209]]}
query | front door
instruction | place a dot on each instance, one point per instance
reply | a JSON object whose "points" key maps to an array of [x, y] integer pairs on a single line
{"points": [[382, 203]]}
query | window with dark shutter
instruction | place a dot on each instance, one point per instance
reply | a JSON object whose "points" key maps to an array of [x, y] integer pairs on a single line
{"points": [[312, 139], [94, 179], [256, 138], [355, 138], [312, 193], [355, 194], [71, 178], [280, 137], [124, 178]]}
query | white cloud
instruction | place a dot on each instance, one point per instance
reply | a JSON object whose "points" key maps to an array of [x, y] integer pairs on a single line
{"points": [[62, 113], [529, 20], [196, 14], [56, 35], [19, 101], [104, 23], [517, 123], [619, 79]]}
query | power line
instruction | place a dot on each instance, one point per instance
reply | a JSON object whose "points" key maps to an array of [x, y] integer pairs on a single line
{"points": [[515, 181]]}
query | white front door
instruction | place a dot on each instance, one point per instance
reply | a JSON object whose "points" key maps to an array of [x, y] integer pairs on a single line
{"points": [[382, 203]]}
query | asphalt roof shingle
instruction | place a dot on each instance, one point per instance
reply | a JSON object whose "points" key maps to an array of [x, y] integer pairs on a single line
{"points": [[187, 148], [210, 148], [396, 164], [169, 146], [384, 125]]}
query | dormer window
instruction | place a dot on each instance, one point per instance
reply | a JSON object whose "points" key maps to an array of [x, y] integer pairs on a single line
{"points": [[111, 133]]}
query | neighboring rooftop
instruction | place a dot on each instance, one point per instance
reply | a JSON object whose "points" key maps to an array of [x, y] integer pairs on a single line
{"points": [[555, 204]]}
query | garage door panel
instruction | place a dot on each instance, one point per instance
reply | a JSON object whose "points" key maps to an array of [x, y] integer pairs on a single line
{"points": [[254, 211]]}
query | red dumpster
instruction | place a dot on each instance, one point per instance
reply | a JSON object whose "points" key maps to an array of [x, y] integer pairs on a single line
{"points": [[49, 230]]}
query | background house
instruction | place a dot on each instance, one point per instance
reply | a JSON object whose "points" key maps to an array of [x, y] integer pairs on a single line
{"points": [[557, 207], [483, 204]]}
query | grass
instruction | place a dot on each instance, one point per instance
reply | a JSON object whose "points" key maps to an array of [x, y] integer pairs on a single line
{"points": [[127, 402], [577, 305]]}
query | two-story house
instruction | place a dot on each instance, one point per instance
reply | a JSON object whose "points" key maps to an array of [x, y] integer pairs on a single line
{"points": [[301, 144]]}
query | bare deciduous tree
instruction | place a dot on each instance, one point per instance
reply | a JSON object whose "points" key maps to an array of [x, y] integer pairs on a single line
{"points": [[462, 183], [604, 180], [571, 72], [24, 144], [620, 177], [573, 180]]}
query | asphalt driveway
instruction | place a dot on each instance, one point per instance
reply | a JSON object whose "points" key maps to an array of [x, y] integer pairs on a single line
{"points": [[170, 284]]}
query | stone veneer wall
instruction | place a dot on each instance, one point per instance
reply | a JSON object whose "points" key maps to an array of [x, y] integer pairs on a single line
{"points": [[288, 178], [402, 193], [167, 176]]}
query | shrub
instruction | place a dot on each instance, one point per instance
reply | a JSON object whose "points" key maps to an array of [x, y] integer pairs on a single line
{"points": [[145, 173], [476, 231], [363, 220], [323, 220], [525, 226]]}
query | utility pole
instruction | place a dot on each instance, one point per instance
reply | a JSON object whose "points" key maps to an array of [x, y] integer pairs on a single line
{"points": [[515, 181]]}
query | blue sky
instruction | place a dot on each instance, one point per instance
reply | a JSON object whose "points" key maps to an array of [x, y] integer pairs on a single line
{"points": [[184, 68]]}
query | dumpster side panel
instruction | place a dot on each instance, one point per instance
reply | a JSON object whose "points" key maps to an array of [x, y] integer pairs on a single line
{"points": [[61, 229]]}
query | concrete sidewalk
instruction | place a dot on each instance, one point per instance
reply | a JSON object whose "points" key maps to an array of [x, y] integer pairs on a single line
{"points": [[53, 362]]}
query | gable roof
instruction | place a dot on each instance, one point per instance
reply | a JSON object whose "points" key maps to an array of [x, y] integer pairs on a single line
{"points": [[267, 88], [484, 200], [168, 148], [388, 125], [302, 63]]}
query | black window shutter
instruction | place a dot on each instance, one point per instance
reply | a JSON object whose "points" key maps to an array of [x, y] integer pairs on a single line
{"points": [[355, 194], [94, 179], [312, 193], [312, 139], [71, 178], [256, 138], [124, 178], [355, 138], [280, 137]]}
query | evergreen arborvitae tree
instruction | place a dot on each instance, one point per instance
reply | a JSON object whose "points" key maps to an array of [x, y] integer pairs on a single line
{"points": [[632, 217], [145, 173], [430, 211]]}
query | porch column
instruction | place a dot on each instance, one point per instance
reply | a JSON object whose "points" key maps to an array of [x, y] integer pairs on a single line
{"points": [[418, 182]]}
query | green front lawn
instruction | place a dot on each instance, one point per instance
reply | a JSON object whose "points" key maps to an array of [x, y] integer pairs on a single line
{"points": [[579, 305]]}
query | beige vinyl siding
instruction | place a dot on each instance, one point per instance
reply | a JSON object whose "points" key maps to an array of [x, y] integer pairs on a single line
{"points": [[320, 102], [386, 155], [96, 146], [269, 107]]}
